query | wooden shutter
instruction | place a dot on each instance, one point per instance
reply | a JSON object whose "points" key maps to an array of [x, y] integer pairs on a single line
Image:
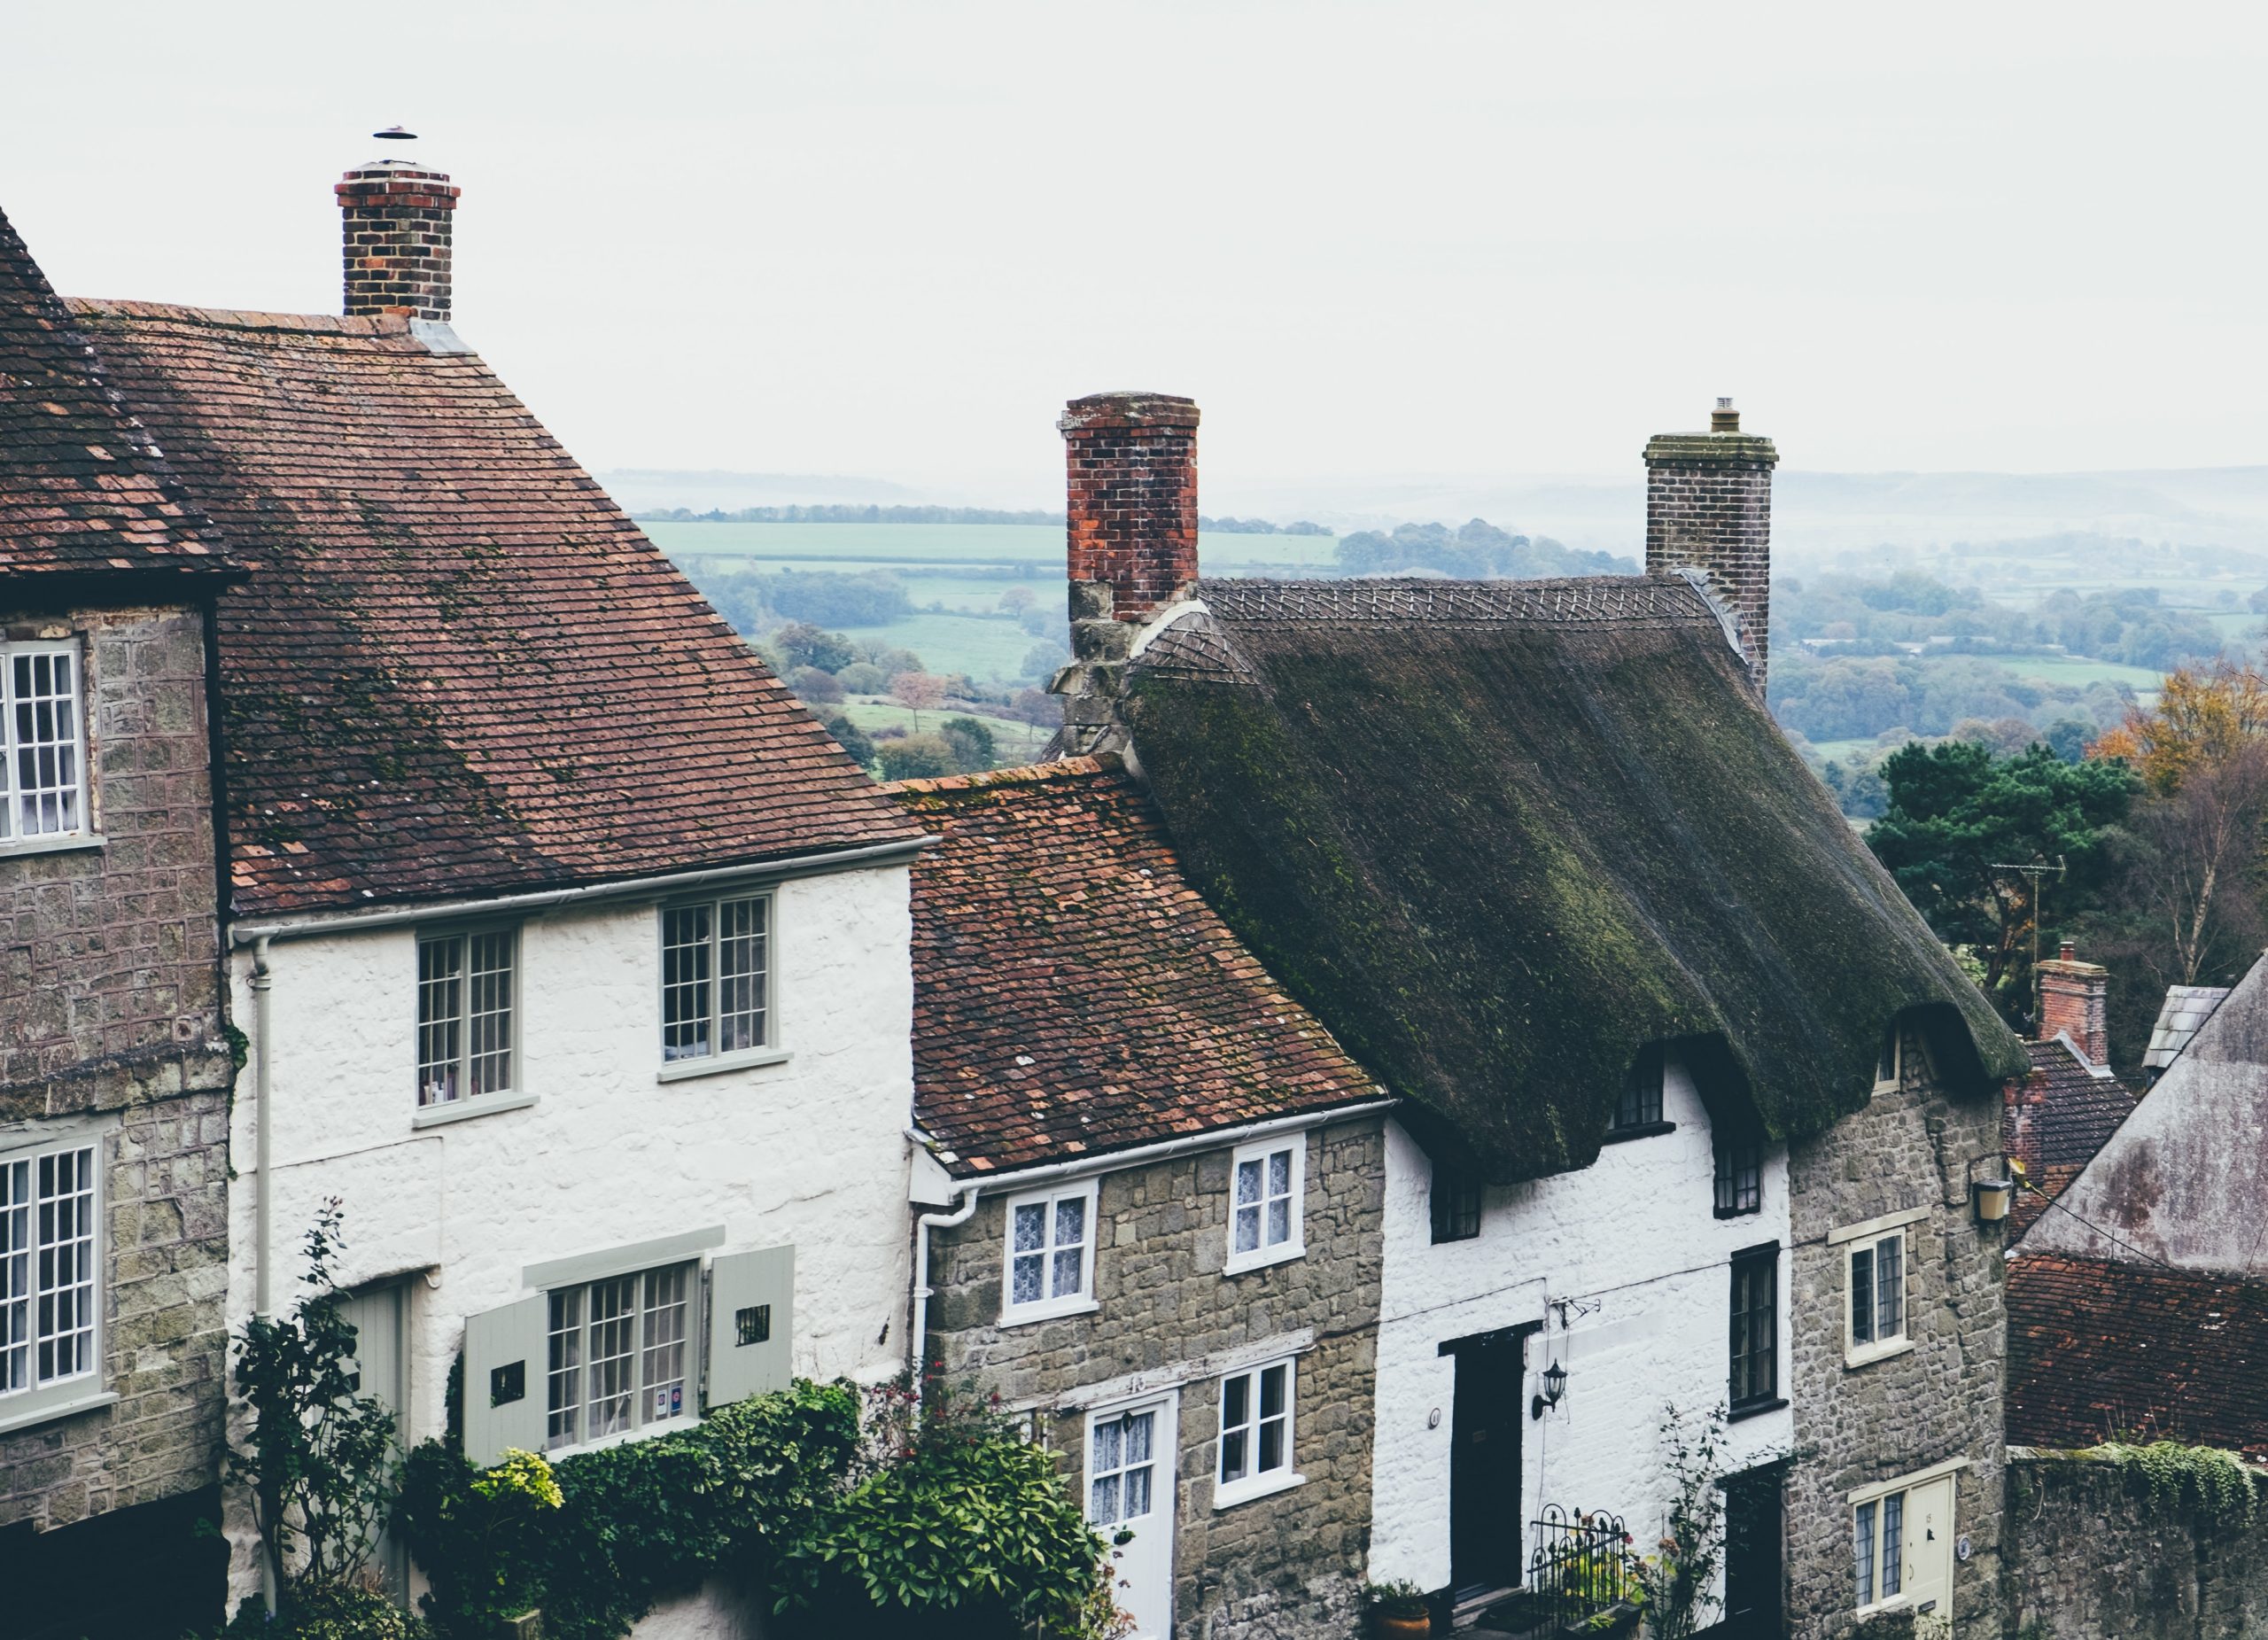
{"points": [[505, 1360], [751, 1323]]}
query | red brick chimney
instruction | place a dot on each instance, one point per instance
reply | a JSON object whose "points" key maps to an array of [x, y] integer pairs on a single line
{"points": [[1709, 508], [1131, 544], [2074, 1000], [398, 221]]}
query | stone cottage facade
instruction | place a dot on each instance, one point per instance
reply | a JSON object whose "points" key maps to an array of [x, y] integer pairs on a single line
{"points": [[115, 1069], [570, 952], [1690, 1096], [1153, 1186]]}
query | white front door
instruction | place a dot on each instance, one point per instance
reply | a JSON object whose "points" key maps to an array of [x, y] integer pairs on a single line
{"points": [[1130, 1496], [380, 1318], [1929, 1545]]}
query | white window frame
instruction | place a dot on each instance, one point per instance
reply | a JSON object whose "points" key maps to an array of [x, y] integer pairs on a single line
{"points": [[1256, 1482], [1873, 1497], [80, 833], [644, 1418], [464, 1100], [1868, 1238], [1295, 1245], [38, 1398], [678, 1063], [1053, 1304]]}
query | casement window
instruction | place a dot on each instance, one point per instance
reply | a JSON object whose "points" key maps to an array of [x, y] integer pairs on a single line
{"points": [[44, 742], [601, 1353], [50, 1208], [1753, 1383], [467, 1013], [1890, 1058], [716, 978], [1049, 1256], [1740, 1176], [1902, 1539], [1266, 1183], [1878, 1294], [1455, 1199], [1255, 1446], [617, 1355], [1638, 1108]]}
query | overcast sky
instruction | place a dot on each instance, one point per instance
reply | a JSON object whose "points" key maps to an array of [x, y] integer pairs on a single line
{"points": [[1369, 238]]}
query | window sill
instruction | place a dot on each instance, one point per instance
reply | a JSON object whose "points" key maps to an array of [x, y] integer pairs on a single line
{"points": [[1644, 1129], [1240, 1263], [1053, 1310], [1755, 1408], [1228, 1496], [1857, 1355], [466, 1109], [53, 845], [1737, 1212], [90, 1403], [662, 1426], [717, 1064]]}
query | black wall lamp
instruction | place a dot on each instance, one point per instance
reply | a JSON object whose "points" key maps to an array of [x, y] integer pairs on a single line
{"points": [[1555, 1386]]}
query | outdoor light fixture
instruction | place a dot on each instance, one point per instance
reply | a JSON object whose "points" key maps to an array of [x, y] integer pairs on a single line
{"points": [[1994, 1190], [1555, 1385]]}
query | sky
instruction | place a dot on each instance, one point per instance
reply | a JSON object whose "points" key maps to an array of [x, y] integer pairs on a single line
{"points": [[1373, 240]]}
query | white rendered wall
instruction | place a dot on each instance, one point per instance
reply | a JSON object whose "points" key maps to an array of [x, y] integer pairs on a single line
{"points": [[812, 1151], [1632, 1239]]}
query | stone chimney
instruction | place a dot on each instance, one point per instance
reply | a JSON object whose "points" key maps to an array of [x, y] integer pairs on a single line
{"points": [[1709, 508], [398, 220], [1130, 508], [2074, 1000]]}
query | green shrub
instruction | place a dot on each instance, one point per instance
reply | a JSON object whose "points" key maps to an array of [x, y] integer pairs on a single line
{"points": [[327, 1612], [2216, 1482]]}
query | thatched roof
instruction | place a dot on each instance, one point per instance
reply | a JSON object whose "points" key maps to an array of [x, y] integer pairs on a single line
{"points": [[1499, 836]]}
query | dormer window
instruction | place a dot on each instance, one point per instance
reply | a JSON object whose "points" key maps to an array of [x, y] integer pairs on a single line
{"points": [[1638, 1110], [1890, 1058], [44, 740], [1740, 1176]]}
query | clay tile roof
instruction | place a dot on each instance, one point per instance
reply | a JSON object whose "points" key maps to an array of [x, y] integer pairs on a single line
{"points": [[457, 668], [2096, 1348], [2070, 1113], [81, 488], [1073, 994], [1504, 836]]}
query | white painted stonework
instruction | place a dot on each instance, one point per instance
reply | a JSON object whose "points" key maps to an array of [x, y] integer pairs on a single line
{"points": [[1632, 1243], [810, 1151]]}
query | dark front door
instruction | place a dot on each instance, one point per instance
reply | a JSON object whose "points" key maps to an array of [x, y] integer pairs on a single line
{"points": [[1752, 1533], [1485, 1461]]}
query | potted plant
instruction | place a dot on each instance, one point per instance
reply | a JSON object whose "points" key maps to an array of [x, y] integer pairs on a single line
{"points": [[1398, 1610]]}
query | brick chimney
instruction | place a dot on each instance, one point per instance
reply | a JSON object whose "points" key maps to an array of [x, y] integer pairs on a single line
{"points": [[1130, 508], [398, 220], [1709, 508], [2074, 1000]]}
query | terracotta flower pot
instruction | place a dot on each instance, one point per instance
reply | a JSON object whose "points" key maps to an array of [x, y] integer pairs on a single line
{"points": [[1400, 1628]]}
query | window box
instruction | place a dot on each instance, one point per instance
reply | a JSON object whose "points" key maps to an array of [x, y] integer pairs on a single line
{"points": [[1047, 1267], [1255, 1449], [717, 999], [1267, 1189], [43, 797]]}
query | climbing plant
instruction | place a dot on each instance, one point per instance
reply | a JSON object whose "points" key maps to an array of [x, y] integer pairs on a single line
{"points": [[2218, 1483]]}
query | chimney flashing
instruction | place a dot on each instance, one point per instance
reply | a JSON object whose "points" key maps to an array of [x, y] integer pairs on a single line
{"points": [[1709, 512]]}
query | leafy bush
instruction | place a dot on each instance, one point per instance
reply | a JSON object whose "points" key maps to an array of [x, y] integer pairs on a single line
{"points": [[916, 756], [2214, 1481], [848, 736], [811, 685], [802, 644], [971, 743], [863, 678], [327, 1612]]}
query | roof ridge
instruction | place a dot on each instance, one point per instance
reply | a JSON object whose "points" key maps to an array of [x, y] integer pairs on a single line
{"points": [[1018, 775], [242, 318]]}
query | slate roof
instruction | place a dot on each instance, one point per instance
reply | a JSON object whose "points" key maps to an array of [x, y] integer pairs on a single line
{"points": [[2096, 1348], [2069, 1114], [1501, 836], [81, 488], [457, 668], [2185, 1008], [1073, 994]]}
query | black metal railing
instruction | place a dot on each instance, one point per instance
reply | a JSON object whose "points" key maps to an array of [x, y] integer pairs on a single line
{"points": [[1580, 1566]]}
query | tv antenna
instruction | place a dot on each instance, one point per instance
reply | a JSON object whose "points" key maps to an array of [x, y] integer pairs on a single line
{"points": [[2039, 871]]}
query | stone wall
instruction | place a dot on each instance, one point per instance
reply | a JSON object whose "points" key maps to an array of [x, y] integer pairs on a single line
{"points": [[1290, 1563], [110, 989], [2088, 1556], [1942, 1399]]}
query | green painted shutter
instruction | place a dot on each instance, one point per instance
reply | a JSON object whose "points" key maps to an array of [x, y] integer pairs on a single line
{"points": [[505, 1359], [751, 1323]]}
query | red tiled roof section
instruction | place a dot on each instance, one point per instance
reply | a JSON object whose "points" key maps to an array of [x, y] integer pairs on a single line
{"points": [[457, 668], [80, 488], [2056, 1120], [1073, 994], [2099, 1348]]}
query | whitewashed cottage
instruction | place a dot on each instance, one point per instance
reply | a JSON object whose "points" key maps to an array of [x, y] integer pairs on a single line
{"points": [[570, 952]]}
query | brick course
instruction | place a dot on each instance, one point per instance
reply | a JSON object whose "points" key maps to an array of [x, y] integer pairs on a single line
{"points": [[1283, 1566], [399, 220]]}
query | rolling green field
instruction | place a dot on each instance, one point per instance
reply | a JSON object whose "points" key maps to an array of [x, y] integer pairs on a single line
{"points": [[2081, 672]]}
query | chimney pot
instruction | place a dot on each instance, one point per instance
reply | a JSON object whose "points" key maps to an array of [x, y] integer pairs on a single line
{"points": [[1724, 418], [397, 221]]}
